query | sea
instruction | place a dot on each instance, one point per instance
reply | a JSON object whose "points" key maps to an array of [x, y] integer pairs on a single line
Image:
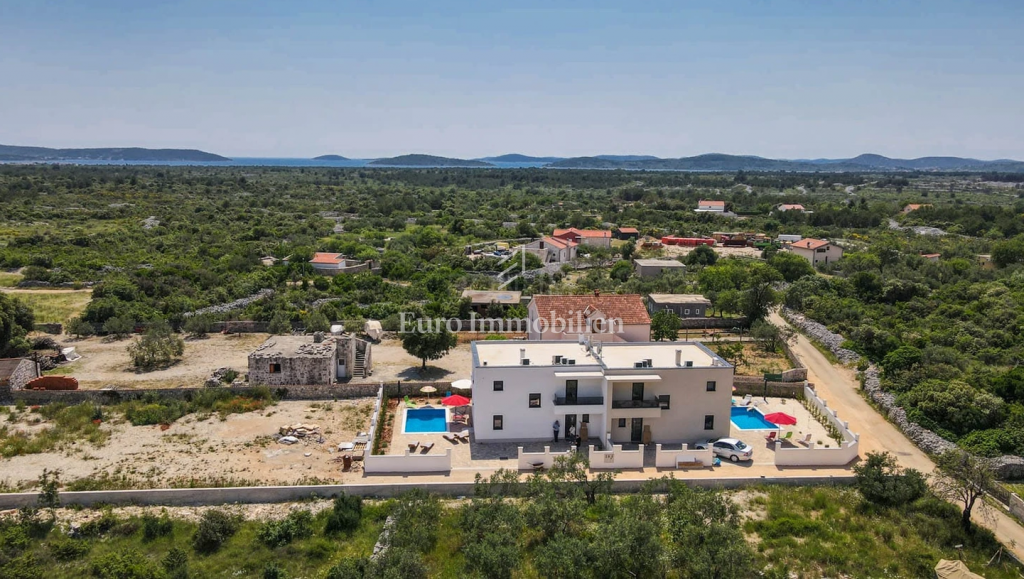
{"points": [[268, 162]]}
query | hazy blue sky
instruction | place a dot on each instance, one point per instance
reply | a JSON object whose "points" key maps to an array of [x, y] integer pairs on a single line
{"points": [[375, 78]]}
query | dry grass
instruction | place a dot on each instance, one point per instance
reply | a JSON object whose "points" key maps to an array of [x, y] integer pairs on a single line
{"points": [[8, 279], [758, 362], [54, 305]]}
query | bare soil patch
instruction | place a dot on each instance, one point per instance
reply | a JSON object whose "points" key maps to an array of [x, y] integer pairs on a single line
{"points": [[392, 363]]}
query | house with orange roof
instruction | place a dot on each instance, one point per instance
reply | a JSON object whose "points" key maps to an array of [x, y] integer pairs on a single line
{"points": [[914, 207], [593, 237], [710, 206], [816, 251], [627, 233], [553, 249], [336, 263], [605, 318], [792, 207]]}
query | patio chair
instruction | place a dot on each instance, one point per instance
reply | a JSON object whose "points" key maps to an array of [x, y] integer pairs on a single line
{"points": [[413, 446], [771, 436], [746, 400], [462, 436], [361, 438], [806, 440], [787, 436], [450, 438], [409, 403], [426, 448]]}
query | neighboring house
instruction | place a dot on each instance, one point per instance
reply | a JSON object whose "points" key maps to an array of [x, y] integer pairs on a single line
{"points": [[592, 237], [336, 263], [789, 237], [914, 207], [660, 392], [553, 250], [16, 372], [655, 267], [606, 318], [816, 250], [684, 305], [302, 360], [931, 256], [481, 300], [627, 233], [985, 261], [791, 207], [710, 206]]}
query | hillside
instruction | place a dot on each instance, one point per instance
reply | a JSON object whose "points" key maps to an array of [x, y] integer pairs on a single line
{"points": [[37, 154], [722, 162], [517, 158], [330, 158], [426, 161]]}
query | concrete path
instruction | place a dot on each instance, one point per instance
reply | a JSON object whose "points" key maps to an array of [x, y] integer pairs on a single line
{"points": [[839, 386]]}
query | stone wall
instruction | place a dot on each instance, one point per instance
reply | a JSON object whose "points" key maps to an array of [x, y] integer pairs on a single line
{"points": [[754, 385], [54, 329], [701, 323], [26, 370], [1007, 467]]}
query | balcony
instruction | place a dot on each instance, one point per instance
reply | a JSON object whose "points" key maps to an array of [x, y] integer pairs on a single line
{"points": [[650, 403], [580, 401]]}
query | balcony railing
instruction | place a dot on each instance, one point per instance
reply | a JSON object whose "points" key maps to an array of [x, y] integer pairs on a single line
{"points": [[650, 403], [579, 401]]}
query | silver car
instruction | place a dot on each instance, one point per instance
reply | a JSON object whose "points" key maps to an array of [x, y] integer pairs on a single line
{"points": [[732, 448]]}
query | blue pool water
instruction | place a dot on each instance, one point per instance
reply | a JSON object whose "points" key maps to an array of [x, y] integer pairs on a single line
{"points": [[750, 419], [425, 420]]}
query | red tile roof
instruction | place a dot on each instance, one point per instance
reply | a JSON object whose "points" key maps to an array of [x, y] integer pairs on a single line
{"points": [[559, 243], [626, 307], [628, 230], [328, 258], [711, 203], [810, 243], [789, 206], [573, 232]]}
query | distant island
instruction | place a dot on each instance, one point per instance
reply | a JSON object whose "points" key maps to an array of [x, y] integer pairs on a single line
{"points": [[44, 154], [722, 162], [330, 158], [426, 161], [517, 158]]}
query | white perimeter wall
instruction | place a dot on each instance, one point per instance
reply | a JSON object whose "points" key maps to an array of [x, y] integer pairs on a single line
{"points": [[815, 455], [671, 458]]}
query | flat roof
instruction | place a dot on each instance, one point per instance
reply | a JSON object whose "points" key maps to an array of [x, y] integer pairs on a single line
{"points": [[486, 297], [608, 356], [679, 299], [294, 347], [660, 262]]}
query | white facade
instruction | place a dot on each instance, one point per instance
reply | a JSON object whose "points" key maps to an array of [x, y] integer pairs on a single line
{"points": [[710, 206], [816, 251], [626, 392], [552, 250]]}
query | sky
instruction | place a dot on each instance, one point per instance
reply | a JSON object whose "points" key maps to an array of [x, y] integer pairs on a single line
{"points": [[782, 79]]}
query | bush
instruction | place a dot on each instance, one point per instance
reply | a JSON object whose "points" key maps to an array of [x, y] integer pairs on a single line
{"points": [[175, 564], [79, 328], [198, 326], [280, 324], [127, 565], [158, 347], [346, 514], [882, 481], [154, 527], [66, 549], [297, 525], [120, 326], [272, 571], [350, 568], [215, 528]]}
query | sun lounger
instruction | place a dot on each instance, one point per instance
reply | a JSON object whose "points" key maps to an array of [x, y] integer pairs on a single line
{"points": [[746, 400], [538, 466], [450, 438], [413, 446], [788, 436], [462, 436], [409, 403], [771, 436], [806, 440], [426, 448], [361, 438]]}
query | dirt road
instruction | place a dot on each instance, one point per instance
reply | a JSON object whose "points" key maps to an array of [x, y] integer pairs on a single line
{"points": [[841, 389]]}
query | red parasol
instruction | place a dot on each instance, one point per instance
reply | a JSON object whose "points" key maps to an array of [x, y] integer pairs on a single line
{"points": [[780, 418], [455, 400]]}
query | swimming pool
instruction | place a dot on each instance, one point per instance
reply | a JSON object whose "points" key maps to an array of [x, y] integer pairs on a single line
{"points": [[750, 419], [425, 420]]}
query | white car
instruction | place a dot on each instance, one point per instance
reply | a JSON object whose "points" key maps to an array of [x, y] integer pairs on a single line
{"points": [[732, 448]]}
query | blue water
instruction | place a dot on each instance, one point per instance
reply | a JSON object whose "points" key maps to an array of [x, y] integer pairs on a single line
{"points": [[425, 420], [750, 419]]}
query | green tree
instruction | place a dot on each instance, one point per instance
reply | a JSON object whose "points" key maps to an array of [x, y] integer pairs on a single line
{"points": [[16, 320], [963, 479], [428, 343], [79, 328], [158, 347], [198, 326], [621, 271], [627, 250], [280, 324], [707, 542], [1009, 252], [954, 405], [665, 326], [882, 481], [701, 256], [900, 359], [770, 337], [758, 295], [316, 321], [175, 564], [565, 557], [791, 266], [120, 327]]}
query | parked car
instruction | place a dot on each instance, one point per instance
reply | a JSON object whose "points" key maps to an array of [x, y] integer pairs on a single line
{"points": [[732, 448]]}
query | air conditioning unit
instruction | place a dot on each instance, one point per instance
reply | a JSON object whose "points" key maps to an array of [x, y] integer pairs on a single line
{"points": [[526, 361], [572, 362], [689, 363], [556, 360], [638, 365]]}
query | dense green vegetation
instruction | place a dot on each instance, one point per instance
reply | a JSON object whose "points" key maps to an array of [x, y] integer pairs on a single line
{"points": [[561, 524]]}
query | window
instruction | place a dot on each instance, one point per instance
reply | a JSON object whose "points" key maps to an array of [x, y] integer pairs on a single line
{"points": [[275, 368], [663, 401], [709, 422], [696, 312], [712, 386], [622, 423], [498, 422], [686, 311], [535, 400], [499, 385], [585, 419]]}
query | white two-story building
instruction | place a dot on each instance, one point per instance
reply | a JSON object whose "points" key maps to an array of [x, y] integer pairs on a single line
{"points": [[650, 392]]}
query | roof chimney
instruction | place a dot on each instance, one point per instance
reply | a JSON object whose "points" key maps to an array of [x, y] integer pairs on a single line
{"points": [[679, 357], [522, 353]]}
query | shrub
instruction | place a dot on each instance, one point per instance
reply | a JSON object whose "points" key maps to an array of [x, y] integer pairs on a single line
{"points": [[297, 525], [175, 564], [198, 326], [126, 565], [346, 514], [154, 527], [280, 324], [119, 326], [101, 525], [350, 568], [79, 328], [272, 571], [214, 528], [65, 549], [158, 347]]}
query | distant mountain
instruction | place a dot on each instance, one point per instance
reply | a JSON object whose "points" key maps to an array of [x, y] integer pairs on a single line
{"points": [[627, 157], [42, 154], [517, 158], [862, 163], [330, 158], [426, 161]]}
